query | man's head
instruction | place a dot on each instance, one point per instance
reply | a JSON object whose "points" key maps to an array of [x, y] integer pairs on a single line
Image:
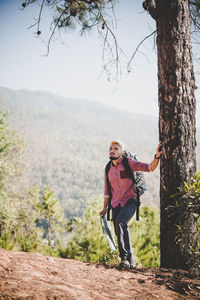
{"points": [[116, 149]]}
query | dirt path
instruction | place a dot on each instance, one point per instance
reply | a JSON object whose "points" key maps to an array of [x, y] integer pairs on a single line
{"points": [[33, 276]]}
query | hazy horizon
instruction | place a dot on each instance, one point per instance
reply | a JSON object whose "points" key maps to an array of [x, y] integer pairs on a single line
{"points": [[73, 68]]}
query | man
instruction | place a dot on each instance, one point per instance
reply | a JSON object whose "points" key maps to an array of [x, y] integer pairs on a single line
{"points": [[124, 196]]}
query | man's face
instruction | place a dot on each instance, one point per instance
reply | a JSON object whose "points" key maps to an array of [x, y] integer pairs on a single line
{"points": [[115, 151]]}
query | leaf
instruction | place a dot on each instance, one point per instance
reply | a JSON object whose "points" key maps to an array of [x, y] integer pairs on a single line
{"points": [[186, 186], [196, 215]]}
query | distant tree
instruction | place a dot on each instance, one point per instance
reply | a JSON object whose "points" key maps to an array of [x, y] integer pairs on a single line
{"points": [[17, 215], [9, 173], [177, 104], [10, 149], [51, 211], [28, 234]]}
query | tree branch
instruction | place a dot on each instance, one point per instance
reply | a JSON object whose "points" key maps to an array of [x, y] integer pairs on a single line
{"points": [[150, 6], [134, 53], [86, 14]]}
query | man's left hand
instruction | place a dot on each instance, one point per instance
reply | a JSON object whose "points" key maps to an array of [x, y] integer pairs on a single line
{"points": [[159, 151]]}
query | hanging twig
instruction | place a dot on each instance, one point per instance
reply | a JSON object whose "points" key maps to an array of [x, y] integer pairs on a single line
{"points": [[134, 53]]}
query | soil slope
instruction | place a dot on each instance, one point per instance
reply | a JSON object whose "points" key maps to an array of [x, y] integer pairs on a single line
{"points": [[33, 276]]}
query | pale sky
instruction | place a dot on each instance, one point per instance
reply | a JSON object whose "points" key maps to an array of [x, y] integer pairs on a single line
{"points": [[72, 69]]}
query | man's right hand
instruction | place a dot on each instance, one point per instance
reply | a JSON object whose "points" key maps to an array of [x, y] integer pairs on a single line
{"points": [[103, 212]]}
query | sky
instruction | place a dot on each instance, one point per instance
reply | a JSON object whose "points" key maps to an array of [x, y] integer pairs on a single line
{"points": [[73, 68]]}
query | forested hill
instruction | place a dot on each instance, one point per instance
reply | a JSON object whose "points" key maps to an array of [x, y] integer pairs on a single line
{"points": [[67, 143]]}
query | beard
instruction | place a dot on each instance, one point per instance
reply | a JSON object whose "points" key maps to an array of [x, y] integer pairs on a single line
{"points": [[114, 158]]}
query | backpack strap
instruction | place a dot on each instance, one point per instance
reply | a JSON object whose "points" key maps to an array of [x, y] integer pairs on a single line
{"points": [[109, 189], [129, 171]]}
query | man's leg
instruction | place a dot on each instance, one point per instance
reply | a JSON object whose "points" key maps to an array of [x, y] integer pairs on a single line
{"points": [[121, 218]]}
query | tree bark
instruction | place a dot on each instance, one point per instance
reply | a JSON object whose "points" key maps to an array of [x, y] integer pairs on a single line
{"points": [[177, 108]]}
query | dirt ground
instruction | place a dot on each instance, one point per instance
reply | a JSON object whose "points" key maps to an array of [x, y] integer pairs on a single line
{"points": [[33, 276]]}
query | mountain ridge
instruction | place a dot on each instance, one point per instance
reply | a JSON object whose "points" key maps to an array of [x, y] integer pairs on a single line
{"points": [[76, 100]]}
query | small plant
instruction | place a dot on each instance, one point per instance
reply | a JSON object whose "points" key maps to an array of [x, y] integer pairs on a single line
{"points": [[188, 233], [87, 242]]}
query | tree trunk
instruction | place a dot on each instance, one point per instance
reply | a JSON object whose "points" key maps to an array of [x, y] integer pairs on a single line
{"points": [[177, 107], [49, 231]]}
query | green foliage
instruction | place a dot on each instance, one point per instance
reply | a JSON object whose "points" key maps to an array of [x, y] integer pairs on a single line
{"points": [[8, 217], [50, 210], [7, 240], [10, 171], [28, 235], [20, 206], [28, 242], [18, 225], [86, 14], [145, 235], [19, 222], [185, 211], [89, 244], [192, 191], [10, 148]]}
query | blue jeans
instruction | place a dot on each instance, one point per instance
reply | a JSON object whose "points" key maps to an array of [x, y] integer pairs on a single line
{"points": [[121, 216]]}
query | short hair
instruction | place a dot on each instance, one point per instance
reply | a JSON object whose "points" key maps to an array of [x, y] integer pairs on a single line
{"points": [[118, 142]]}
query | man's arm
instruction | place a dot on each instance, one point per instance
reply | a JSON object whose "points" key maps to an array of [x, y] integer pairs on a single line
{"points": [[153, 165], [144, 167], [103, 212], [106, 196]]}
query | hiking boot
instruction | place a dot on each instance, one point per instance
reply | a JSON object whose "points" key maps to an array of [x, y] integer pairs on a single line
{"points": [[132, 267], [125, 264]]}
